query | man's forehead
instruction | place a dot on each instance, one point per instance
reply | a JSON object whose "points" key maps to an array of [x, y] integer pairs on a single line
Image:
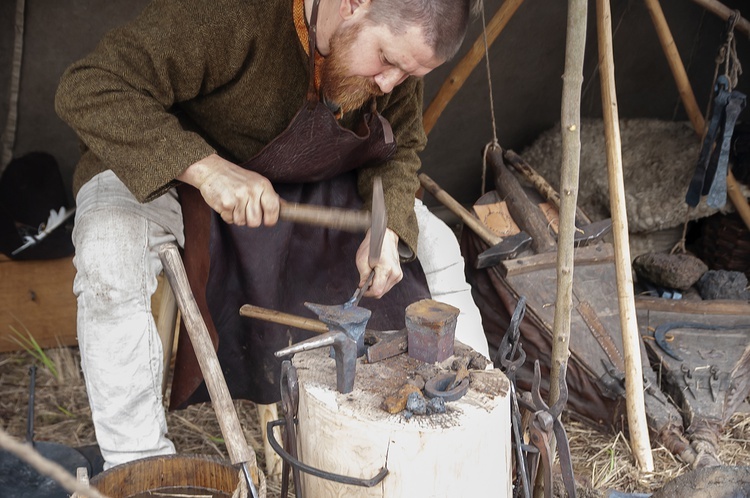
{"points": [[407, 50]]}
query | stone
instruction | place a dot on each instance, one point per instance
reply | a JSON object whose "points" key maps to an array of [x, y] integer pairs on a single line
{"points": [[671, 271], [723, 284]]}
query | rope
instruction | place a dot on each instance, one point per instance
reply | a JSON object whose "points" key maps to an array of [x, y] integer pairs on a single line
{"points": [[494, 142], [732, 66], [46, 467], [9, 134]]}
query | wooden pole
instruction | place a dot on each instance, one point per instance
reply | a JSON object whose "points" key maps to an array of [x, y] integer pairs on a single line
{"points": [[463, 69], [636, 409], [675, 65], [570, 125], [229, 423], [688, 97], [724, 12]]}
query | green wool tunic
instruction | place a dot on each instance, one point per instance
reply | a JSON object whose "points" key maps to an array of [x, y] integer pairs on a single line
{"points": [[189, 78]]}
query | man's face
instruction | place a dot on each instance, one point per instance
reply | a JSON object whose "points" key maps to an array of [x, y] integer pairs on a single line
{"points": [[367, 60]]}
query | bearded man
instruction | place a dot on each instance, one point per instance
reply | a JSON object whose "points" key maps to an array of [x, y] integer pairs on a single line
{"points": [[197, 120]]}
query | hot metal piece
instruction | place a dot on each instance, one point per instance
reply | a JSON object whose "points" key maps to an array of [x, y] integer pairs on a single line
{"points": [[377, 234]]}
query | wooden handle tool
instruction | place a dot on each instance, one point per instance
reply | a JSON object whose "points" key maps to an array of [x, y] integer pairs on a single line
{"points": [[349, 220], [229, 422]]}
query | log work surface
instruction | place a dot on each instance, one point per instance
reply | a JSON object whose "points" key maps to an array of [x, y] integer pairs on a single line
{"points": [[463, 452]]}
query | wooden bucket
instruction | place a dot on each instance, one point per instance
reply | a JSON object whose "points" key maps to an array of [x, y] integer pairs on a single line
{"points": [[191, 474]]}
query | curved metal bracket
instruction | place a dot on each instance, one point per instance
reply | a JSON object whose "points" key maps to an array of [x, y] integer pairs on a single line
{"points": [[354, 481]]}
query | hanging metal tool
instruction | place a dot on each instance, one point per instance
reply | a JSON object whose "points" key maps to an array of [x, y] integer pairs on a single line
{"points": [[544, 424], [710, 176], [511, 356]]}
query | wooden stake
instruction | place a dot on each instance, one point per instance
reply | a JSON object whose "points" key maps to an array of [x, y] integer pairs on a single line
{"points": [[636, 409], [463, 69], [688, 97], [570, 126], [570, 119]]}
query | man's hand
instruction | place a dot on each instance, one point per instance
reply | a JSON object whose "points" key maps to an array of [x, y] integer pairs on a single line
{"points": [[388, 269], [240, 196]]}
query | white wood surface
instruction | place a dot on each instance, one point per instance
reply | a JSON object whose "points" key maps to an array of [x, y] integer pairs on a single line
{"points": [[464, 452]]}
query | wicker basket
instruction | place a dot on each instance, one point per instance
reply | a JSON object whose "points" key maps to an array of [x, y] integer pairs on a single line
{"points": [[725, 243]]}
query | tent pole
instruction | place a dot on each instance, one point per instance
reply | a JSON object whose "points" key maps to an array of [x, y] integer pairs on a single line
{"points": [[636, 409], [724, 12], [466, 65]]}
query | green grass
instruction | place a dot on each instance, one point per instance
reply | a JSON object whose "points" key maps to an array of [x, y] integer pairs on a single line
{"points": [[29, 344]]}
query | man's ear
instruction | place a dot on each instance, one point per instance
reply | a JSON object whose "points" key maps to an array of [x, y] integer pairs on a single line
{"points": [[348, 8]]}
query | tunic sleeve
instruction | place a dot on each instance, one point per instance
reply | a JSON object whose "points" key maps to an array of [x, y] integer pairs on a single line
{"points": [[403, 109], [121, 98]]}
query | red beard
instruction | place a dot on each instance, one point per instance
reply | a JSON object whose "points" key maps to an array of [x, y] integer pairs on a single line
{"points": [[349, 92]]}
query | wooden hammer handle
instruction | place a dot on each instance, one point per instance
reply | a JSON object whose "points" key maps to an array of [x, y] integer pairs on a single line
{"points": [[229, 422], [274, 316], [349, 220], [471, 221]]}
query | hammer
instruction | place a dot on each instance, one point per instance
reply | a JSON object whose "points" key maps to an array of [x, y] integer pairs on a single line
{"points": [[586, 230], [500, 248]]}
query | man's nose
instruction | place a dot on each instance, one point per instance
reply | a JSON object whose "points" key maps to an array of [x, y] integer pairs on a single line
{"points": [[389, 79]]}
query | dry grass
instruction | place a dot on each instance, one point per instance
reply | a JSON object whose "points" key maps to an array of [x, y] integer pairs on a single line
{"points": [[601, 461]]}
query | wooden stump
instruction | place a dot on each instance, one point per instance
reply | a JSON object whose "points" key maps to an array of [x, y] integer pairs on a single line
{"points": [[463, 452]]}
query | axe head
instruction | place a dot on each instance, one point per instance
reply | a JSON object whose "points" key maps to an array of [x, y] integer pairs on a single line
{"points": [[508, 248]]}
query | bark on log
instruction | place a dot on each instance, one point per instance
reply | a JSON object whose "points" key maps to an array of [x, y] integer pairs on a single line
{"points": [[525, 213]]}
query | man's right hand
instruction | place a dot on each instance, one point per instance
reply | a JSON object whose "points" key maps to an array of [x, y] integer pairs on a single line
{"points": [[240, 196]]}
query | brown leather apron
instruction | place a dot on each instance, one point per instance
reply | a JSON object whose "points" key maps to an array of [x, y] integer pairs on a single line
{"points": [[284, 266]]}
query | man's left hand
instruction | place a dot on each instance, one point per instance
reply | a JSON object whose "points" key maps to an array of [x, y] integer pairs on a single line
{"points": [[388, 268]]}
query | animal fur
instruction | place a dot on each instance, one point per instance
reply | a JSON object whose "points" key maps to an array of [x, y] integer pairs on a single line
{"points": [[658, 159]]}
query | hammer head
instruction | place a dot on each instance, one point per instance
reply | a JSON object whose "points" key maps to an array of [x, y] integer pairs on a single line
{"points": [[508, 248], [351, 320], [592, 231]]}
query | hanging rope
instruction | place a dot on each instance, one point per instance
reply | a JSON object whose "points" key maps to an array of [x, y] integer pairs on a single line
{"points": [[9, 134], [494, 142]]}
